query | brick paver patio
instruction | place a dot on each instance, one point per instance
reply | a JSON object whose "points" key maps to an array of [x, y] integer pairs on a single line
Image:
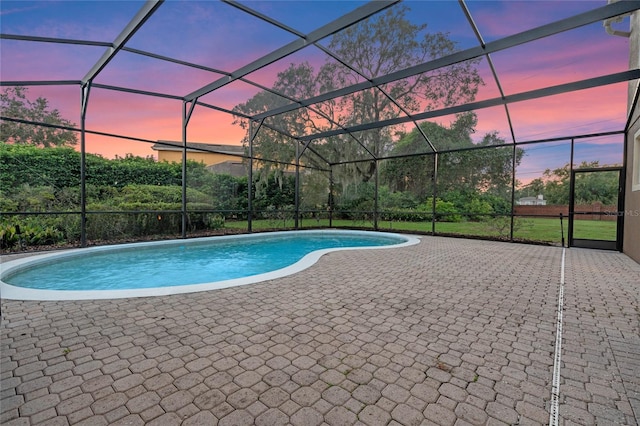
{"points": [[446, 332]]}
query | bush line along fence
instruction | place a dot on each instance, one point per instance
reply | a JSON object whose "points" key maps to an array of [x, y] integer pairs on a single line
{"points": [[135, 198], [19, 231]]}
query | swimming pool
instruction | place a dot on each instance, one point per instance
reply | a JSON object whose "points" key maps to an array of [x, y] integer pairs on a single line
{"points": [[178, 266]]}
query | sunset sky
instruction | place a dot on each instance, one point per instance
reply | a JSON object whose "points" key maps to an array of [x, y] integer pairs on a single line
{"points": [[222, 37]]}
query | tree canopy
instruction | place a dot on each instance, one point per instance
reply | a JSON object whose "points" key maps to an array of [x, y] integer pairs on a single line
{"points": [[590, 187], [377, 46], [469, 169], [15, 104]]}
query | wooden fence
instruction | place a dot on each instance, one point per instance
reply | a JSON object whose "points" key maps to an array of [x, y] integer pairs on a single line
{"points": [[610, 212]]}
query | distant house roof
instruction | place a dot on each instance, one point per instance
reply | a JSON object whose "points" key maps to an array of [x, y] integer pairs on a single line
{"points": [[532, 201], [233, 168], [199, 147]]}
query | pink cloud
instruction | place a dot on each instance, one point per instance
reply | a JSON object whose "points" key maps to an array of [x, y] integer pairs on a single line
{"points": [[534, 168], [16, 10], [110, 147], [45, 61], [66, 99], [536, 66], [138, 72], [586, 111], [539, 157], [510, 17], [215, 34], [231, 95], [520, 69], [98, 21], [153, 119], [211, 126]]}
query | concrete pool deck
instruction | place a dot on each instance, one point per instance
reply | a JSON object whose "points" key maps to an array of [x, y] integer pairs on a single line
{"points": [[449, 331]]}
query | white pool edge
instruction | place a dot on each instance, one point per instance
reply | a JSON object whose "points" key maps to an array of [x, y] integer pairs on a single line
{"points": [[11, 292]]}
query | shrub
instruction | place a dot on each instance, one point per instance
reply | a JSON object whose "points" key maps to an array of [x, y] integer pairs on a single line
{"points": [[445, 211], [277, 216], [31, 231], [214, 221], [501, 225], [9, 237], [479, 210]]}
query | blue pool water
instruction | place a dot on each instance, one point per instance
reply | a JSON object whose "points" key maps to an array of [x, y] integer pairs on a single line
{"points": [[182, 263]]}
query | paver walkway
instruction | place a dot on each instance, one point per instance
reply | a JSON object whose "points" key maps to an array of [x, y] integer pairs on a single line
{"points": [[449, 331]]}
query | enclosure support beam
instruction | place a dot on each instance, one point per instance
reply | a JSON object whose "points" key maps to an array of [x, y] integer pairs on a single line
{"points": [[14, 83], [53, 40], [588, 83], [476, 30], [596, 15], [132, 27], [186, 116], [86, 88], [357, 15]]}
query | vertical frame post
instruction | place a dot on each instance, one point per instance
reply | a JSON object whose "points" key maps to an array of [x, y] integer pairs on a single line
{"points": [[297, 187], [571, 197], [513, 190], [186, 116], [183, 210], [621, 204], [330, 196], [435, 193], [377, 195], [86, 88], [622, 190], [252, 135], [250, 178]]}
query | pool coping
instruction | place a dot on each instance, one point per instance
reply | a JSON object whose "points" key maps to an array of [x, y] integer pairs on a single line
{"points": [[11, 292]]}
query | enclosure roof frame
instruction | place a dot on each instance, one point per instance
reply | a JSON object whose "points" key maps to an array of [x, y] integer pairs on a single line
{"points": [[602, 13], [472, 106], [359, 14], [363, 12], [132, 27]]}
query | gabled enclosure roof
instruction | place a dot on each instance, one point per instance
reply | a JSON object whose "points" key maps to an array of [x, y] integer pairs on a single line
{"points": [[535, 58]]}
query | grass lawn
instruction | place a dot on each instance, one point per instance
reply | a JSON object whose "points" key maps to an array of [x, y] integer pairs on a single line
{"points": [[532, 229]]}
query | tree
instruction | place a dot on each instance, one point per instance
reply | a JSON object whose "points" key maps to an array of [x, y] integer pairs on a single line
{"points": [[590, 187], [385, 43], [465, 172], [15, 104], [532, 189]]}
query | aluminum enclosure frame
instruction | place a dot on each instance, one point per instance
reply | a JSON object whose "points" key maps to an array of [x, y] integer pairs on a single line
{"points": [[304, 142]]}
